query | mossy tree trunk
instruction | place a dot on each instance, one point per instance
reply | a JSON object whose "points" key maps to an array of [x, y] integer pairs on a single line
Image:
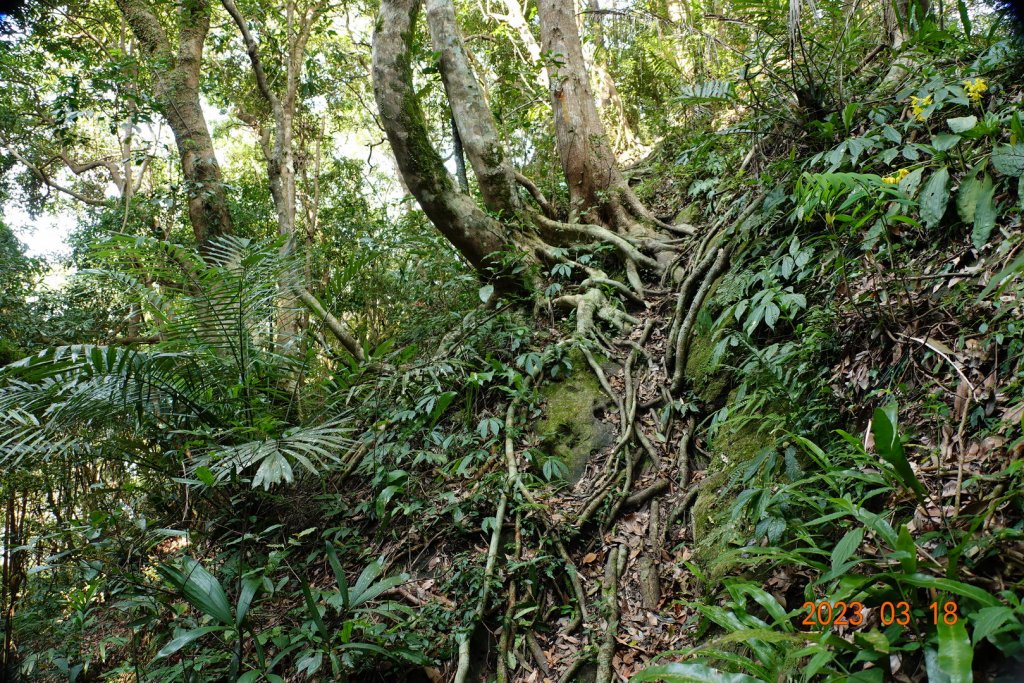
{"points": [[598, 192]]}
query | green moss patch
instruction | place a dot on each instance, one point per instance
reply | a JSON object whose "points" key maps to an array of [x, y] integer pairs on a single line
{"points": [[571, 428]]}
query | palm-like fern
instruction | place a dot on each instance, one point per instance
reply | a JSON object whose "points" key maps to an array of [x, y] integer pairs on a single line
{"points": [[215, 391]]}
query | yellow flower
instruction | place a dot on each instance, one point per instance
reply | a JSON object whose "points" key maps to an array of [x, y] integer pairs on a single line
{"points": [[974, 88], [918, 105], [896, 178], [149, 571]]}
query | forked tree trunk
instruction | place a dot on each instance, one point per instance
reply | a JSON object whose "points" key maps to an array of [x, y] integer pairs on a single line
{"points": [[176, 87], [478, 237]]}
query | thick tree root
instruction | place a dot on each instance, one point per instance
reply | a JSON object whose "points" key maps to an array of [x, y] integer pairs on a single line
{"points": [[638, 454], [682, 341], [614, 568]]}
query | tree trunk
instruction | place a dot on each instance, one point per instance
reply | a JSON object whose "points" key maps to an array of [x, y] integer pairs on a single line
{"points": [[176, 87], [477, 236], [588, 163]]}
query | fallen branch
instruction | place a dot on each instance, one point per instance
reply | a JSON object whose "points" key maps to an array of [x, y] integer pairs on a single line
{"points": [[338, 328]]}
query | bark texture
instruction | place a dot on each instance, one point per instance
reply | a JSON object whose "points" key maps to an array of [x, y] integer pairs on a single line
{"points": [[472, 116], [588, 163], [475, 234], [176, 87]]}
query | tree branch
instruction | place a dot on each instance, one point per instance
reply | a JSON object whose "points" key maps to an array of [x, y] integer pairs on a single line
{"points": [[254, 56], [39, 173]]}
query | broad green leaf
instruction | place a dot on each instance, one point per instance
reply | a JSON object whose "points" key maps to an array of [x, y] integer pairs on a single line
{"points": [[955, 652], [907, 546], [689, 672], [443, 401], [377, 588], [366, 577], [967, 198], [944, 141], [962, 124], [965, 590], [965, 17], [186, 638], [273, 469], [931, 665], [1009, 159], [486, 292], [204, 475], [309, 663], [200, 588], [935, 197], [250, 586], [314, 613], [847, 546], [884, 426], [873, 639], [911, 182], [250, 676], [989, 620], [985, 213]]}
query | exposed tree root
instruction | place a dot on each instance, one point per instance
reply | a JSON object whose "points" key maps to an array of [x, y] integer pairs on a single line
{"points": [[585, 656], [614, 568], [462, 669], [645, 464], [682, 341]]}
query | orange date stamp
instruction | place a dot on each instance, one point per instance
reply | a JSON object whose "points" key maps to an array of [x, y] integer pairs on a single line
{"points": [[833, 614]]}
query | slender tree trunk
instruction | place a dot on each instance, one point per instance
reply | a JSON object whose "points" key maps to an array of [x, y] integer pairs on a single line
{"points": [[279, 154], [176, 87]]}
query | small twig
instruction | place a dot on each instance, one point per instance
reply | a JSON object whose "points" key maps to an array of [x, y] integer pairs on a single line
{"points": [[931, 345], [960, 457]]}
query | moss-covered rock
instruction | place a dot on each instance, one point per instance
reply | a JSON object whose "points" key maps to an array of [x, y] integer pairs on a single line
{"points": [[712, 529], [706, 380], [572, 428]]}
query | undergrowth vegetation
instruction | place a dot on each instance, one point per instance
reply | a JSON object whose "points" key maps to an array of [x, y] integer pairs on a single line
{"points": [[795, 434]]}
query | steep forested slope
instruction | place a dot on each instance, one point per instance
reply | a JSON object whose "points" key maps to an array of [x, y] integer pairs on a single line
{"points": [[748, 407]]}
